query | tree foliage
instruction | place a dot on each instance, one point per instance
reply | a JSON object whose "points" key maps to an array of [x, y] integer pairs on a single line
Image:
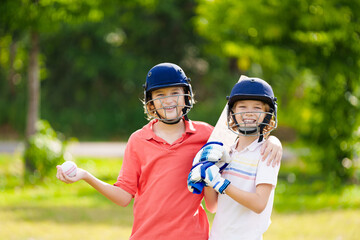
{"points": [[94, 56], [46, 150], [34, 18], [93, 68], [310, 52]]}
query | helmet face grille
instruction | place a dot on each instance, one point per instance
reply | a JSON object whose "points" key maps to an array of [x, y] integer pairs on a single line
{"points": [[255, 128], [154, 112], [166, 75], [252, 89]]}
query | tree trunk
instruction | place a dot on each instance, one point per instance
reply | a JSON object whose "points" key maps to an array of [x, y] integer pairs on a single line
{"points": [[11, 74], [33, 93]]}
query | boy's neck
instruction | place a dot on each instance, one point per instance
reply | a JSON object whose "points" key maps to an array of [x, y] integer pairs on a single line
{"points": [[169, 132], [245, 141]]}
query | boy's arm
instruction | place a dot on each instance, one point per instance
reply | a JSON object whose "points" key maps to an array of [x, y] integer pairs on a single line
{"points": [[272, 149], [254, 201], [266, 180], [113, 193], [210, 197]]}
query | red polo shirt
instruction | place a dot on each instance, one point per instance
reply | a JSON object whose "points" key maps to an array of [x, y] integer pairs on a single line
{"points": [[155, 173]]}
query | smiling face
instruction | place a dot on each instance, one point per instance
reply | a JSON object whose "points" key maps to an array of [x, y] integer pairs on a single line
{"points": [[167, 103], [248, 114]]}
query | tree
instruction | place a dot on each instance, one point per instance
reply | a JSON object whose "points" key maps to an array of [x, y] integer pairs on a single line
{"points": [[33, 93], [32, 18], [96, 67], [92, 56], [309, 51]]}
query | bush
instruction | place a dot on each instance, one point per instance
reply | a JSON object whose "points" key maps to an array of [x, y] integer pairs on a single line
{"points": [[43, 152]]}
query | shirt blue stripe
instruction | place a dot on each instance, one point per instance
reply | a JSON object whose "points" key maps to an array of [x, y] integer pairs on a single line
{"points": [[240, 171]]}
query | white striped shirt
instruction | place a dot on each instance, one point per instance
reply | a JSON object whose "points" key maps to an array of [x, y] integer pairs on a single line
{"points": [[246, 170]]}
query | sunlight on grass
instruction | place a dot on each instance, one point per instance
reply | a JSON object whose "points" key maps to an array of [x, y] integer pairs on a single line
{"points": [[55, 210], [319, 225], [305, 207], [55, 231]]}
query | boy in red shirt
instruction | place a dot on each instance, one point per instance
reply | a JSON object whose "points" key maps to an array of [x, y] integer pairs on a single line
{"points": [[157, 161]]}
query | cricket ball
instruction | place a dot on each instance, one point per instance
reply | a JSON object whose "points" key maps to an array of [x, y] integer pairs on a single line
{"points": [[69, 168]]}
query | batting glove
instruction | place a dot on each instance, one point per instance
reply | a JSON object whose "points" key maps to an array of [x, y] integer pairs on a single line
{"points": [[195, 182], [213, 179], [213, 152]]}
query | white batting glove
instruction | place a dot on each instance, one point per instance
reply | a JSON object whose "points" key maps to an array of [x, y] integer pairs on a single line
{"points": [[195, 181], [213, 179], [197, 173], [213, 152]]}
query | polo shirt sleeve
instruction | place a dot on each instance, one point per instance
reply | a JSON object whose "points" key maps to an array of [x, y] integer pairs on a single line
{"points": [[128, 178], [266, 174]]}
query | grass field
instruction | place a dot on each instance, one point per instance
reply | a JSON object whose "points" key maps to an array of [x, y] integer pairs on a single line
{"points": [[305, 206]]}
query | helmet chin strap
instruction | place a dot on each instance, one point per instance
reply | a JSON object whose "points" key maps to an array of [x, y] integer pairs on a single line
{"points": [[252, 130], [265, 122], [174, 121], [247, 130]]}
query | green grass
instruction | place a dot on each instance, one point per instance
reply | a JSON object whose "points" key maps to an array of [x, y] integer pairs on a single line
{"points": [[306, 206], [55, 210]]}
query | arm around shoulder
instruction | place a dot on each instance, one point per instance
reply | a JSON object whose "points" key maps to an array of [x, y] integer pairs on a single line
{"points": [[272, 150]]}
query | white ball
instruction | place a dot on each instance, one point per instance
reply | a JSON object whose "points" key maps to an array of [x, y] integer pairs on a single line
{"points": [[69, 168]]}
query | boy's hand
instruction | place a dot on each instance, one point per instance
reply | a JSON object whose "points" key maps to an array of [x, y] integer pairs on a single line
{"points": [[195, 179], [272, 149], [80, 174], [213, 152], [213, 179]]}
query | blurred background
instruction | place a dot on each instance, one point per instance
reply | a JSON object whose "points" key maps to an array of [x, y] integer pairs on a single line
{"points": [[72, 71]]}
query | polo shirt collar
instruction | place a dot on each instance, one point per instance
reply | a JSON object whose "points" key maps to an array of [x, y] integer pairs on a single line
{"points": [[252, 147], [148, 132]]}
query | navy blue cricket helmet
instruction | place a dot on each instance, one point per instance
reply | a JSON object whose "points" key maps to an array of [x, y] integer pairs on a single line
{"points": [[168, 75], [252, 89], [165, 75]]}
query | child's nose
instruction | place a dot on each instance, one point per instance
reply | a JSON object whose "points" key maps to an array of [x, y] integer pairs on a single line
{"points": [[169, 99], [248, 113], [173, 98]]}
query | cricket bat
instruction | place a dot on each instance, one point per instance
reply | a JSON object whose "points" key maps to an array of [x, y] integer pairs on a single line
{"points": [[221, 132]]}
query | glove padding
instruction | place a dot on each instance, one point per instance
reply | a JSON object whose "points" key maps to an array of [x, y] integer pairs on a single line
{"points": [[213, 152], [195, 182], [206, 174], [213, 179]]}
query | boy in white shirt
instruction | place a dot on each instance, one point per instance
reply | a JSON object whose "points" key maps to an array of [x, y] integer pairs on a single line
{"points": [[247, 184]]}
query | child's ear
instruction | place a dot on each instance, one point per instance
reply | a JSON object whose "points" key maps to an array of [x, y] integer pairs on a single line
{"points": [[150, 106]]}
